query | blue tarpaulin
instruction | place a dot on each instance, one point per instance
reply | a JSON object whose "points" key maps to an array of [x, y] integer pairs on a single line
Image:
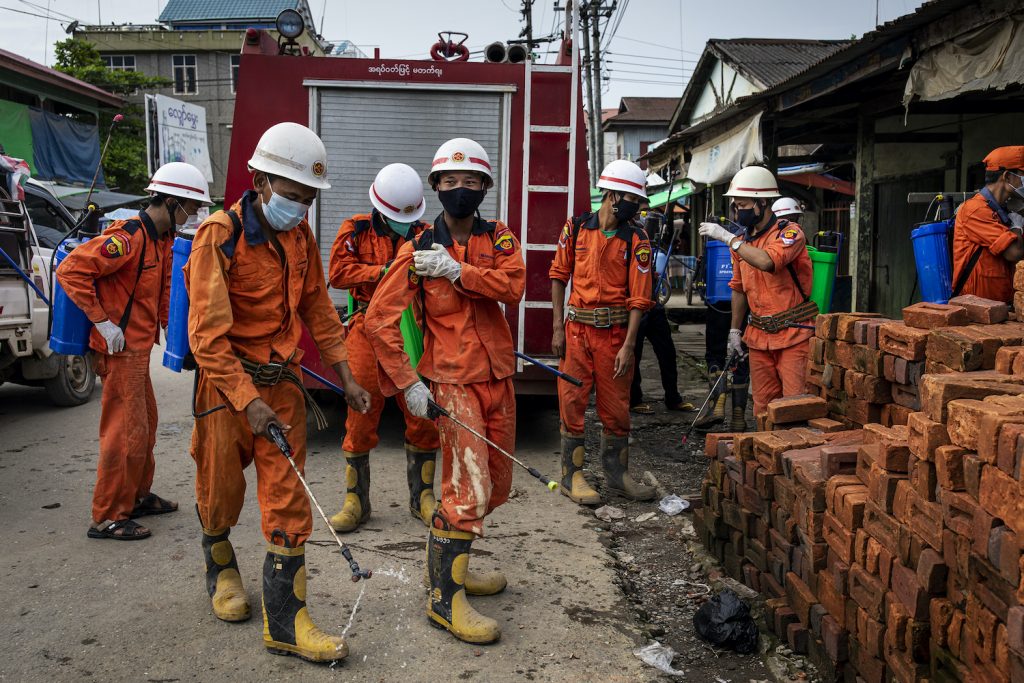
{"points": [[65, 150]]}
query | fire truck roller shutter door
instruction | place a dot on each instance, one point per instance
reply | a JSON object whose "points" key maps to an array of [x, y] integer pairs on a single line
{"points": [[359, 125]]}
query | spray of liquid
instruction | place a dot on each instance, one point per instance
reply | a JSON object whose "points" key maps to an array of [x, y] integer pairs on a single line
{"points": [[355, 608]]}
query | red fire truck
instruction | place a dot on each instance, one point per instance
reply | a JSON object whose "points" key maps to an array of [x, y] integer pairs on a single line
{"points": [[372, 112]]}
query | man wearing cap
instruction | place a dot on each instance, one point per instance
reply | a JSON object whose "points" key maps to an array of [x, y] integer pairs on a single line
{"points": [[987, 234], [461, 270], [363, 252], [608, 261], [254, 280], [771, 280], [121, 280]]}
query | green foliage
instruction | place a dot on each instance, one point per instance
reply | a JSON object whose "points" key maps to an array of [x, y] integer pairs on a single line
{"points": [[124, 165]]}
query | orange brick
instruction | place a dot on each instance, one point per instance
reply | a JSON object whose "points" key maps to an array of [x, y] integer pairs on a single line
{"points": [[981, 310], [903, 341], [927, 316]]}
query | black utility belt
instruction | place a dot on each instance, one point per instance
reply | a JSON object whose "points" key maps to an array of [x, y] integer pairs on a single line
{"points": [[599, 317]]}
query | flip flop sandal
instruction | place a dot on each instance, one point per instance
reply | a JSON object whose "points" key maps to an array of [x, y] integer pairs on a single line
{"points": [[683, 407], [642, 409], [130, 530], [153, 504]]}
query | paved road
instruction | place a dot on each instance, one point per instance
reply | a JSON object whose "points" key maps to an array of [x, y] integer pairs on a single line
{"points": [[76, 609]]}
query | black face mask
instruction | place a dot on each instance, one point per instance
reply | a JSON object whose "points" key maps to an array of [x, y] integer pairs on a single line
{"points": [[748, 218], [461, 202], [624, 210]]}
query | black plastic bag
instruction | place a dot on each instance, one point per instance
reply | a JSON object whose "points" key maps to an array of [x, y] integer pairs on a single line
{"points": [[725, 621]]}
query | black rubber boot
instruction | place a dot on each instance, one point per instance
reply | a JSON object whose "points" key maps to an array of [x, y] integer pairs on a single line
{"points": [[420, 466], [356, 508], [223, 582], [447, 604], [574, 485], [714, 412], [615, 458], [287, 626], [740, 396]]}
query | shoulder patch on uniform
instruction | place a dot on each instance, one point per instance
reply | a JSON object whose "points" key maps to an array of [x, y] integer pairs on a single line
{"points": [[117, 245], [350, 245], [414, 277], [789, 235], [563, 238], [504, 243], [642, 254]]}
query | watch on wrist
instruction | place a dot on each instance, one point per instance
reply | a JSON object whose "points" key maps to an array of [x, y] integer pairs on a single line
{"points": [[736, 243]]}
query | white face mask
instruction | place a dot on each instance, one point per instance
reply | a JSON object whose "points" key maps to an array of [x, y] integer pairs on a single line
{"points": [[191, 223], [282, 213]]}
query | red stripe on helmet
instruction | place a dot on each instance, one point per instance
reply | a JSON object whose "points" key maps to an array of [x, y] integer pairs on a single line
{"points": [[758, 189], [622, 180], [373, 189], [183, 187], [475, 160]]}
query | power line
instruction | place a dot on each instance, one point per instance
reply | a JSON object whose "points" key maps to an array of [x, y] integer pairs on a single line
{"points": [[650, 66], [47, 10], [667, 47], [667, 59]]}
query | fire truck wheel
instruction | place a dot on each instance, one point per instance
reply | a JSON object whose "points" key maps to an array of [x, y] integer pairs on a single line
{"points": [[74, 382]]}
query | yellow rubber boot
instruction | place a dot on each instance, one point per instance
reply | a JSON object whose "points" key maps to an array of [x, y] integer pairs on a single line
{"points": [[615, 458], [287, 627], [573, 484], [715, 412], [420, 466], [223, 582], [478, 584], [738, 423], [356, 508], [447, 604]]}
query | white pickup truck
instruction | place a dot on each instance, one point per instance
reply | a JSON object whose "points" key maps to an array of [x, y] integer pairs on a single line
{"points": [[25, 355]]}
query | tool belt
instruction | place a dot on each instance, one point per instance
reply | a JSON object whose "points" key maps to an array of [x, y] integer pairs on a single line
{"points": [[599, 317], [269, 374], [781, 321]]}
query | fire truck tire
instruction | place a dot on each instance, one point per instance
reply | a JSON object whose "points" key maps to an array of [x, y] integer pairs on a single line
{"points": [[74, 383]]}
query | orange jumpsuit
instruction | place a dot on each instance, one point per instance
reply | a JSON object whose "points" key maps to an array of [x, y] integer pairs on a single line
{"points": [[248, 300], [982, 223], [778, 361], [467, 356], [362, 252], [606, 272], [99, 277]]}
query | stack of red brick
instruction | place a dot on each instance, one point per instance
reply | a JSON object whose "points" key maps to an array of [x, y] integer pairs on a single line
{"points": [[888, 551], [869, 368]]}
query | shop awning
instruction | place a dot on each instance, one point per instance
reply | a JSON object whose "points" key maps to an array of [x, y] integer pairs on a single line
{"points": [[680, 189], [718, 160], [73, 197], [822, 180]]}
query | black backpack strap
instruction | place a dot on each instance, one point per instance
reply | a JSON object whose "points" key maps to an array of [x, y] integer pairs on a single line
{"points": [[127, 314], [966, 272], [229, 247], [361, 226]]}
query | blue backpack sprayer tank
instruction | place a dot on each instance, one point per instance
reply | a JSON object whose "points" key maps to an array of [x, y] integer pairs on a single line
{"points": [[177, 320], [931, 241], [71, 327]]}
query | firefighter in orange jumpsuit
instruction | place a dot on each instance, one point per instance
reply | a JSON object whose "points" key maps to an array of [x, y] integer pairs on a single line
{"points": [[771, 281], [254, 279], [987, 240], [124, 275], [461, 270], [609, 262], [363, 252]]}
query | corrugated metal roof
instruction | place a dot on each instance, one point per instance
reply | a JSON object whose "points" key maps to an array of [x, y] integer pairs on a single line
{"points": [[636, 109], [769, 60], [214, 10], [26, 67]]}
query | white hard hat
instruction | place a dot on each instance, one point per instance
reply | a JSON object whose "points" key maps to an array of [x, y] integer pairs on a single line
{"points": [[182, 180], [623, 176], [753, 181], [290, 150], [787, 206], [461, 154], [397, 192]]}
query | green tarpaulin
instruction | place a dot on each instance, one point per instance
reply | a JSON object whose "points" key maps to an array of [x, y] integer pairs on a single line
{"points": [[16, 132], [680, 189]]}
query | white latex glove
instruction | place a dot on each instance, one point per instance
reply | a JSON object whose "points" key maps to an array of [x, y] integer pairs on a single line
{"points": [[437, 263], [113, 336], [416, 397], [716, 232], [735, 346]]}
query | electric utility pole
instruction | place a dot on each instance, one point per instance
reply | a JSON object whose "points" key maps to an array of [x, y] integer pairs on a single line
{"points": [[597, 9], [527, 32], [595, 116]]}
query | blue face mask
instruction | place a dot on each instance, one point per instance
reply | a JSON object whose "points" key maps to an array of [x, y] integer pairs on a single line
{"points": [[282, 213], [397, 227]]}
